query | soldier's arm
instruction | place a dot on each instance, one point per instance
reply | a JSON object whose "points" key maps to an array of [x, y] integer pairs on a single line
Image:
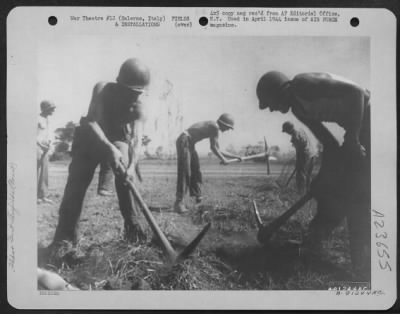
{"points": [[322, 134], [229, 155], [214, 146], [95, 118], [135, 144], [94, 122]]}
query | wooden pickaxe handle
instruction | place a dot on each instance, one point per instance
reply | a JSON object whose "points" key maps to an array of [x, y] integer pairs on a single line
{"points": [[246, 158], [166, 245], [266, 155], [267, 231], [291, 176], [173, 256]]}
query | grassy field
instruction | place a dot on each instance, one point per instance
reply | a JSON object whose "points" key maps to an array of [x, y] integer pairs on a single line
{"points": [[228, 258]]}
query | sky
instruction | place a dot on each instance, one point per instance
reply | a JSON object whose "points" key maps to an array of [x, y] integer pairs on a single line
{"points": [[211, 75]]}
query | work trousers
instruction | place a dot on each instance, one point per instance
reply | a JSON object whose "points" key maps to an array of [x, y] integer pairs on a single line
{"points": [[304, 168], [85, 158], [349, 196], [189, 174], [42, 158]]}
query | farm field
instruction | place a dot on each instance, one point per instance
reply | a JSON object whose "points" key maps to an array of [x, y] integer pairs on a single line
{"points": [[229, 256]]}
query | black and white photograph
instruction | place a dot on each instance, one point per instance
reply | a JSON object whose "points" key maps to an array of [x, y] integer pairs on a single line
{"points": [[204, 159]]}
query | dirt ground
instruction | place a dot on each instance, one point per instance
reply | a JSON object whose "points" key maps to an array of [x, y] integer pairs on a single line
{"points": [[228, 258]]}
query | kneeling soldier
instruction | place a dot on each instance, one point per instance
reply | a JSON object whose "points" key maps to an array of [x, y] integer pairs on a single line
{"points": [[189, 174]]}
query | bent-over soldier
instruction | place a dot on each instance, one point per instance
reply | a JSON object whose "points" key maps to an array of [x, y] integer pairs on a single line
{"points": [[343, 188], [111, 132], [189, 174]]}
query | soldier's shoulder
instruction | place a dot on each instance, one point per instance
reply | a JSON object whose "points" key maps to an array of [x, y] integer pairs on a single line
{"points": [[310, 78], [212, 123], [100, 86]]}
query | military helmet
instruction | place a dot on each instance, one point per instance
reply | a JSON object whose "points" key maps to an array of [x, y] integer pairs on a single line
{"points": [[46, 105], [134, 74], [269, 86], [227, 120], [287, 126]]}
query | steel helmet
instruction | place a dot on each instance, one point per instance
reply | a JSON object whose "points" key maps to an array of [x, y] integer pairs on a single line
{"points": [[287, 126], [227, 120], [134, 74], [47, 105], [269, 86]]}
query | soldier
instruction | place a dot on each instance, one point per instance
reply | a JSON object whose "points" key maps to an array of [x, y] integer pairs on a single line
{"points": [[189, 175], [342, 189], [304, 158], [43, 142], [109, 133]]}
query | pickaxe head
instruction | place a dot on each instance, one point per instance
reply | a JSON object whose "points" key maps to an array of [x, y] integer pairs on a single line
{"points": [[172, 255], [265, 232], [192, 245]]}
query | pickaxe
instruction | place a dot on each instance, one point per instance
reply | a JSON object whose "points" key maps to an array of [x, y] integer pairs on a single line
{"points": [[266, 155], [290, 178], [172, 255], [265, 232], [252, 157], [246, 158]]}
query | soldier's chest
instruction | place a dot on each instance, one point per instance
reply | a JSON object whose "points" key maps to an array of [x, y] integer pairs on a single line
{"points": [[324, 109]]}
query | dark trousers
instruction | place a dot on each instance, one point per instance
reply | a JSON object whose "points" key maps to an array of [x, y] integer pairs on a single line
{"points": [[304, 168], [85, 159], [348, 196], [42, 172], [189, 175]]}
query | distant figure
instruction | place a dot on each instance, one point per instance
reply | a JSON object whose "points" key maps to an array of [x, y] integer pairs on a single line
{"points": [[189, 175], [304, 158], [43, 142]]}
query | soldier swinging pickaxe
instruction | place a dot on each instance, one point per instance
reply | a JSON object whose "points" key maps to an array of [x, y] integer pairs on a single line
{"points": [[172, 255]]}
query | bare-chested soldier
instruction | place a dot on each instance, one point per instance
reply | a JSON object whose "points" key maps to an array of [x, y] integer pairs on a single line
{"points": [[189, 175], [343, 188], [111, 132]]}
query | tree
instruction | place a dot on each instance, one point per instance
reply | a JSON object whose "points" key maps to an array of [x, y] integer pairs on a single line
{"points": [[231, 149], [159, 152], [66, 134], [64, 137], [274, 150]]}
